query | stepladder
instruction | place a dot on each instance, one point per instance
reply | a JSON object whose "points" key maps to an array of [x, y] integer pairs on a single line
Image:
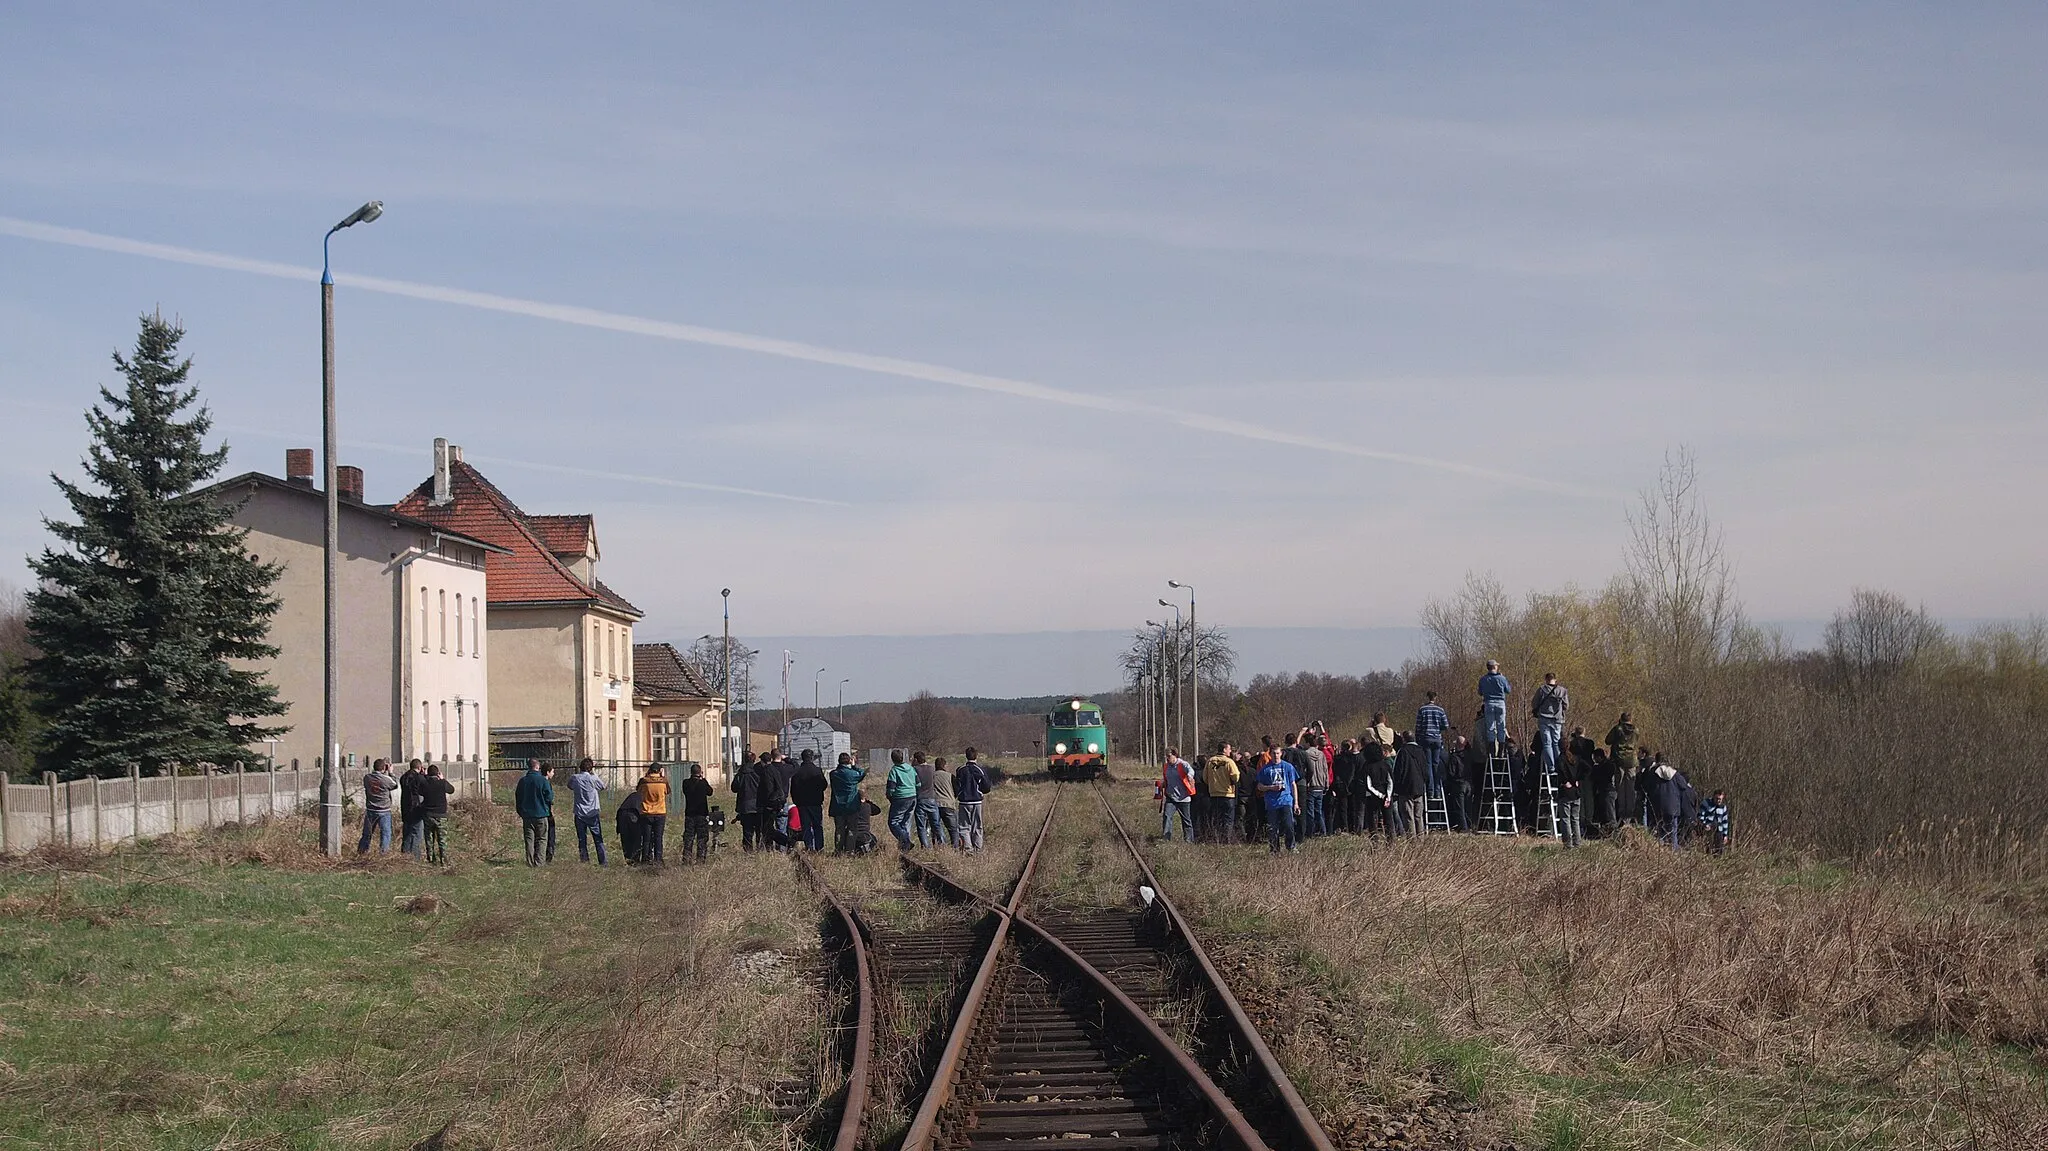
{"points": [[1436, 814], [1547, 824], [1500, 794]]}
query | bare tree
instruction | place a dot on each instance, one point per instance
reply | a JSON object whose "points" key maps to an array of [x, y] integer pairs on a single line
{"points": [[1679, 579], [926, 722], [1879, 636], [706, 657]]}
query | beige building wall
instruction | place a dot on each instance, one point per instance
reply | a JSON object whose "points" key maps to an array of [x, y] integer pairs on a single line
{"points": [[536, 664], [613, 728]]}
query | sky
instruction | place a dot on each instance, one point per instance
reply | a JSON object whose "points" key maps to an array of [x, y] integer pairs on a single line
{"points": [[921, 320]]}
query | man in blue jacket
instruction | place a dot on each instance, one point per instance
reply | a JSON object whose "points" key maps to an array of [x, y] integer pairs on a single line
{"points": [[535, 800], [1493, 704]]}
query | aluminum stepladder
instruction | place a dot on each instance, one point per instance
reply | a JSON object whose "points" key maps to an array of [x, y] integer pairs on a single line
{"points": [[1436, 813], [1500, 792], [1547, 824]]}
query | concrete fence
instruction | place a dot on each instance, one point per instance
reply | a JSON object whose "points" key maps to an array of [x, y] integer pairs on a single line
{"points": [[104, 813]]}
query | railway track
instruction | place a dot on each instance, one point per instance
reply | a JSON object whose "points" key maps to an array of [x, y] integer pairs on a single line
{"points": [[1099, 1028]]}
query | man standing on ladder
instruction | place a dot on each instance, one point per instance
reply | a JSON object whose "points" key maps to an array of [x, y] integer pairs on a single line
{"points": [[1493, 707], [1548, 707]]}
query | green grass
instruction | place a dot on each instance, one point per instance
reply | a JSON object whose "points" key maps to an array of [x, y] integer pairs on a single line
{"points": [[239, 992]]}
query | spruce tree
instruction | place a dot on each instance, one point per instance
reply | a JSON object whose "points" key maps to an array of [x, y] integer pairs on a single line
{"points": [[152, 594]]}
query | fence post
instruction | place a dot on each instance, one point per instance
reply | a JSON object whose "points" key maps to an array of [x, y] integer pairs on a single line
{"points": [[135, 802], [97, 812], [241, 802], [50, 782], [206, 773], [270, 781], [177, 803], [6, 821]]}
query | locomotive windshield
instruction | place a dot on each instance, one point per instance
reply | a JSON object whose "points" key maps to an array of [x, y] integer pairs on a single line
{"points": [[1077, 719]]}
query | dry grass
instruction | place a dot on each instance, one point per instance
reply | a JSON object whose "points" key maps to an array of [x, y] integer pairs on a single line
{"points": [[1626, 996]]}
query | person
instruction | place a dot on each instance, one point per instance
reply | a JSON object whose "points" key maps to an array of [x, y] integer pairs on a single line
{"points": [[585, 786], [1621, 744], [807, 788], [946, 801], [775, 805], [1581, 745], [1688, 808], [1493, 704], [1280, 790], [433, 814], [1431, 722], [1599, 786], [1570, 797], [534, 797], [1715, 818], [845, 780], [653, 789], [1219, 779], [1522, 786], [900, 789], [1176, 795], [411, 786], [746, 790], [1666, 799], [1548, 707], [379, 786], [929, 833], [971, 784], [696, 814], [1457, 780], [1343, 782], [1314, 769], [1378, 801], [1411, 784], [628, 822]]}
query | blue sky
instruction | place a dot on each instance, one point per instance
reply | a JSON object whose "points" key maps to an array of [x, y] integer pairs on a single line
{"points": [[1219, 263]]}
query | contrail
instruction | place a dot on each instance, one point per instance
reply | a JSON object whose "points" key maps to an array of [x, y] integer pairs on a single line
{"points": [[769, 346]]}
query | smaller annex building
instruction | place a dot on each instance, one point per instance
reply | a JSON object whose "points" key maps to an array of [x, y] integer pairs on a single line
{"points": [[682, 714], [817, 734]]}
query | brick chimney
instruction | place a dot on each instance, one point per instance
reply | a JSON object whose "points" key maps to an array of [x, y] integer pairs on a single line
{"points": [[298, 466], [348, 481], [442, 493]]}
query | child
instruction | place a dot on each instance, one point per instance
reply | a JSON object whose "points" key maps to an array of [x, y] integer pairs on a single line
{"points": [[1714, 817]]}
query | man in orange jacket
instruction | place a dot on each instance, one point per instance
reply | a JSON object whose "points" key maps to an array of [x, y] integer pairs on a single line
{"points": [[653, 791]]}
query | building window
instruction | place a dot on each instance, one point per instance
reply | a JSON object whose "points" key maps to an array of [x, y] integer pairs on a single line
{"points": [[461, 721], [597, 736], [612, 737], [476, 629], [423, 619], [671, 740], [458, 623], [611, 661], [596, 650], [442, 596], [444, 729], [424, 748]]}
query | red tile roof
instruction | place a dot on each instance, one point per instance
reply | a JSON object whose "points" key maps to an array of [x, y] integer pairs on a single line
{"points": [[564, 535], [529, 573], [660, 672]]}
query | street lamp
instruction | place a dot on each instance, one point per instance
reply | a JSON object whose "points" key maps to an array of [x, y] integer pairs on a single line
{"points": [[1195, 639], [1159, 681], [788, 657], [1179, 728], [842, 700], [817, 679], [725, 684], [330, 548]]}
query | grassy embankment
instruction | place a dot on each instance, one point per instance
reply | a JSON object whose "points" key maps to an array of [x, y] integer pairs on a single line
{"points": [[238, 990], [1458, 991]]}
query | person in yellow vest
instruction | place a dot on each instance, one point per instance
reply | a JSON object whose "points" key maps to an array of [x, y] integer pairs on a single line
{"points": [[653, 791], [1219, 778]]}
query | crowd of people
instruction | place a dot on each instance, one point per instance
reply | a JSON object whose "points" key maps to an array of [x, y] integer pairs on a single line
{"points": [[419, 798], [1398, 783]]}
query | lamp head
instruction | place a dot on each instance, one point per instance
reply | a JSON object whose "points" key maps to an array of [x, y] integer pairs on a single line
{"points": [[1152, 623], [1163, 603], [726, 592], [1174, 583], [362, 215]]}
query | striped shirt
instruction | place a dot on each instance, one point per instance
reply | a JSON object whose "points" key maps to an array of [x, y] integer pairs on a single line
{"points": [[1430, 722]]}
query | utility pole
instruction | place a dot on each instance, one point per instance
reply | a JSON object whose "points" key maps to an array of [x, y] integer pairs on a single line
{"points": [[786, 660], [1195, 636], [842, 700], [725, 686], [816, 711]]}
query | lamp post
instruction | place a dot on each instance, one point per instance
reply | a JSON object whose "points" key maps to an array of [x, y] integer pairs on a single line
{"points": [[1179, 718], [747, 702], [1159, 681], [788, 657], [1195, 640], [725, 685], [842, 700], [330, 548], [816, 680]]}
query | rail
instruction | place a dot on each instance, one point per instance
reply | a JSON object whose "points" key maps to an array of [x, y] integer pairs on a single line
{"points": [[847, 1137], [1300, 1119]]}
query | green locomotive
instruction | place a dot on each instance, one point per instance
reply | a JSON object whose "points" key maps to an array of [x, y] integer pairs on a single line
{"points": [[1076, 742]]}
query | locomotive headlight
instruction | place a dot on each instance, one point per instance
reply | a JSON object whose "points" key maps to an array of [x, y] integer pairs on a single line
{"points": [[1093, 748], [1059, 749]]}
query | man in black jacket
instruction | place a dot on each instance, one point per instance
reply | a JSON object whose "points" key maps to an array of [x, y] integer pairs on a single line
{"points": [[1411, 783], [696, 814], [1570, 797], [1343, 783], [807, 787], [1376, 789], [746, 788], [775, 774], [1458, 783], [410, 787], [628, 822], [432, 812]]}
